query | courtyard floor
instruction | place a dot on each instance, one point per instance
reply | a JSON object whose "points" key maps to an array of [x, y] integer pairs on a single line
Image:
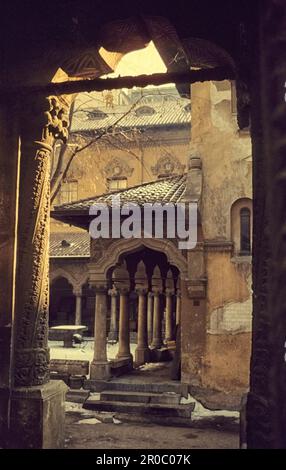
{"points": [[84, 430], [87, 429]]}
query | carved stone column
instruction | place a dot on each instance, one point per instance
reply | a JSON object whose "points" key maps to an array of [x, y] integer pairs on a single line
{"points": [[99, 368], [157, 317], [113, 332], [169, 292], [122, 284], [35, 401], [150, 317], [178, 303], [78, 299], [142, 352]]}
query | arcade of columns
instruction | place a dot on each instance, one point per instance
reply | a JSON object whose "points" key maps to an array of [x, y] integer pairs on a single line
{"points": [[150, 317]]}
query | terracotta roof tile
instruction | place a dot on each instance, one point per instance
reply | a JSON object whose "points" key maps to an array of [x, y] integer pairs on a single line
{"points": [[68, 244], [165, 114], [164, 190]]}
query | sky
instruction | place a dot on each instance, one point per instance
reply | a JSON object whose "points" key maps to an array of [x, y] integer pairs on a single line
{"points": [[143, 61]]}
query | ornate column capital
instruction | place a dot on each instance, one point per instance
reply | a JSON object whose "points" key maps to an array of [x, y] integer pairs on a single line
{"points": [[77, 291], [169, 292], [157, 285], [100, 288], [121, 279], [140, 290], [113, 292]]}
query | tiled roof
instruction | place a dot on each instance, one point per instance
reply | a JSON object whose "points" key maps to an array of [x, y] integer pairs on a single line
{"points": [[168, 113], [162, 190], [68, 244], [165, 190]]}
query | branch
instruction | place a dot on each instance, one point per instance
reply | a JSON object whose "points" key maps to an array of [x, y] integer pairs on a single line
{"points": [[62, 174]]}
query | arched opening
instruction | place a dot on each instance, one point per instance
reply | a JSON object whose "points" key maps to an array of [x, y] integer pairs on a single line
{"points": [[245, 223], [241, 226], [62, 303], [160, 344]]}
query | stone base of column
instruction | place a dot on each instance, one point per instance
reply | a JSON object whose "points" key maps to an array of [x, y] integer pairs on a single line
{"points": [[156, 344], [142, 355], [113, 336], [38, 416], [99, 370]]}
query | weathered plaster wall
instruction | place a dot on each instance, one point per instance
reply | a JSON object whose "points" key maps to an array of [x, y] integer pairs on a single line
{"points": [[226, 362], [89, 166], [226, 164], [225, 154]]}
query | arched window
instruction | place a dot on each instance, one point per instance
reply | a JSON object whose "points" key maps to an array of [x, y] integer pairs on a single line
{"points": [[241, 226], [245, 223]]}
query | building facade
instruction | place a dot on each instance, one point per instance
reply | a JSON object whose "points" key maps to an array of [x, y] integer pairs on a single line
{"points": [[211, 281]]}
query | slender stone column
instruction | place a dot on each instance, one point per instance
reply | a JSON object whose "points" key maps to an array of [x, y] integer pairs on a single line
{"points": [[142, 353], [169, 320], [178, 306], [33, 395], [99, 368], [150, 317], [169, 306], [124, 333], [78, 297], [113, 332], [157, 321], [157, 317], [122, 284]]}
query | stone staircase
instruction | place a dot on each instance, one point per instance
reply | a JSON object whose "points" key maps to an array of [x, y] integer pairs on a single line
{"points": [[150, 400]]}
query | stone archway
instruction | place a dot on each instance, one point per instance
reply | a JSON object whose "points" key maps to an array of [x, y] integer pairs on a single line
{"points": [[111, 256]]}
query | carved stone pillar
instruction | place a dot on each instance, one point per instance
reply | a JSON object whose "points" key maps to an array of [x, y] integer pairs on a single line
{"points": [[169, 292], [78, 299], [266, 402], [142, 353], [157, 317], [99, 368], [150, 317], [33, 424], [113, 332], [122, 284]]}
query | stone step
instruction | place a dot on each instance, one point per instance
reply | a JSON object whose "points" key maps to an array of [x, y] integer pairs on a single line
{"points": [[77, 396], [149, 409], [171, 398], [131, 386]]}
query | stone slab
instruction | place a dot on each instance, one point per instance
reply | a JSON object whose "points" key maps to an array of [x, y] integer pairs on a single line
{"points": [[77, 396], [141, 397], [182, 411], [69, 366]]}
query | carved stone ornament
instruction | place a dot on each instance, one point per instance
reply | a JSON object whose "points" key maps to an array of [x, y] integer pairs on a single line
{"points": [[56, 126], [117, 167], [41, 128], [167, 166]]}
